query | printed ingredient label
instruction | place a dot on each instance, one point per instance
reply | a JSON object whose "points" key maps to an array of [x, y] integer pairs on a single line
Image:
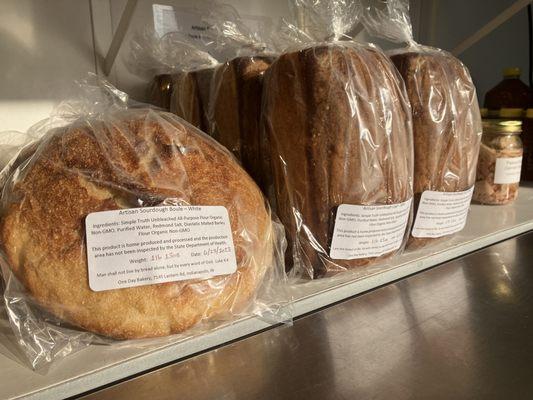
{"points": [[188, 21], [368, 231], [441, 213], [507, 170], [145, 246], [164, 19]]}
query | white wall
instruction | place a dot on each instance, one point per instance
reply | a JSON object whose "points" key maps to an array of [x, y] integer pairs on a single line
{"points": [[44, 46]]}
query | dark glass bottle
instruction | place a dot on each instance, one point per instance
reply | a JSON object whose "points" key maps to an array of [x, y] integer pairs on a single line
{"points": [[509, 93]]}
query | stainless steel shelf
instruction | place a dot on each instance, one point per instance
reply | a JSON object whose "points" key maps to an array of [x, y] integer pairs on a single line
{"points": [[100, 365], [460, 331]]}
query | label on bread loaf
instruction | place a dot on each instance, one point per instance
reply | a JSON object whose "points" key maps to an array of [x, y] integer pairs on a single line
{"points": [[441, 213], [149, 245], [507, 170], [368, 231]]}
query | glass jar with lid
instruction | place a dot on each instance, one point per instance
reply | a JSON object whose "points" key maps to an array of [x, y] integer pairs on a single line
{"points": [[499, 163]]}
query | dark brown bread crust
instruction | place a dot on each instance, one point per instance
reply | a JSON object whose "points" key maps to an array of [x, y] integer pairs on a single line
{"points": [[132, 158], [339, 127], [446, 123], [236, 109], [190, 96]]}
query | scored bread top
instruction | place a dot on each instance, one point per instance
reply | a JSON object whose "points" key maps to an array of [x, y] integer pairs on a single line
{"points": [[128, 159]]}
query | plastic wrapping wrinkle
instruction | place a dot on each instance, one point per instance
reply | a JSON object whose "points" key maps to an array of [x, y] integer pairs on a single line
{"points": [[115, 159], [167, 60], [151, 54], [446, 118]]}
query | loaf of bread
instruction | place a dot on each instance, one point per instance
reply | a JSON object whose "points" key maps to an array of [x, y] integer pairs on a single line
{"points": [[446, 122], [160, 91], [235, 111], [190, 96], [128, 159], [340, 133]]}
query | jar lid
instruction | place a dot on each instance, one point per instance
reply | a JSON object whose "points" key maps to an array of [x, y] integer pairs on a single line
{"points": [[511, 112], [502, 126], [512, 72]]}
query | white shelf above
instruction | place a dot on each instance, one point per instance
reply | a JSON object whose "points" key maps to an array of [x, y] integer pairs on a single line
{"points": [[99, 365]]}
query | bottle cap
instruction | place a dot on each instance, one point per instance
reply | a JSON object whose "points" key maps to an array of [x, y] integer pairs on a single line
{"points": [[512, 72]]}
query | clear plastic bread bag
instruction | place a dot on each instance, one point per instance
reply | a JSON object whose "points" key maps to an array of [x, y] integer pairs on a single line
{"points": [[234, 107], [123, 222], [171, 59], [339, 126], [446, 124]]}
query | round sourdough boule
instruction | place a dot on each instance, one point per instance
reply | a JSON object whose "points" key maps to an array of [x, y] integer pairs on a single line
{"points": [[128, 159]]}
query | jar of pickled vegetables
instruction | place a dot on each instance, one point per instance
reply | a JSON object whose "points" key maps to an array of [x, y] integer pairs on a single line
{"points": [[499, 163]]}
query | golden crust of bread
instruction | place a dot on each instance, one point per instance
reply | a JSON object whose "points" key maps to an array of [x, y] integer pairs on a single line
{"points": [[132, 158]]}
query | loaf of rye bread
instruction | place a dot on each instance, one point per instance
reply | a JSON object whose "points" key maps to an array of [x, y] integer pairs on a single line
{"points": [[235, 110], [128, 159], [190, 96], [446, 122], [338, 123]]}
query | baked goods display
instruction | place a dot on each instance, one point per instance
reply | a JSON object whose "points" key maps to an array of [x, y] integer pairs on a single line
{"points": [[339, 125], [446, 122], [235, 111], [125, 160], [340, 136]]}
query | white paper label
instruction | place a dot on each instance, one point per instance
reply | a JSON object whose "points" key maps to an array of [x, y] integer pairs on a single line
{"points": [[144, 246], [441, 213], [368, 231], [507, 170], [164, 19], [188, 21]]}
